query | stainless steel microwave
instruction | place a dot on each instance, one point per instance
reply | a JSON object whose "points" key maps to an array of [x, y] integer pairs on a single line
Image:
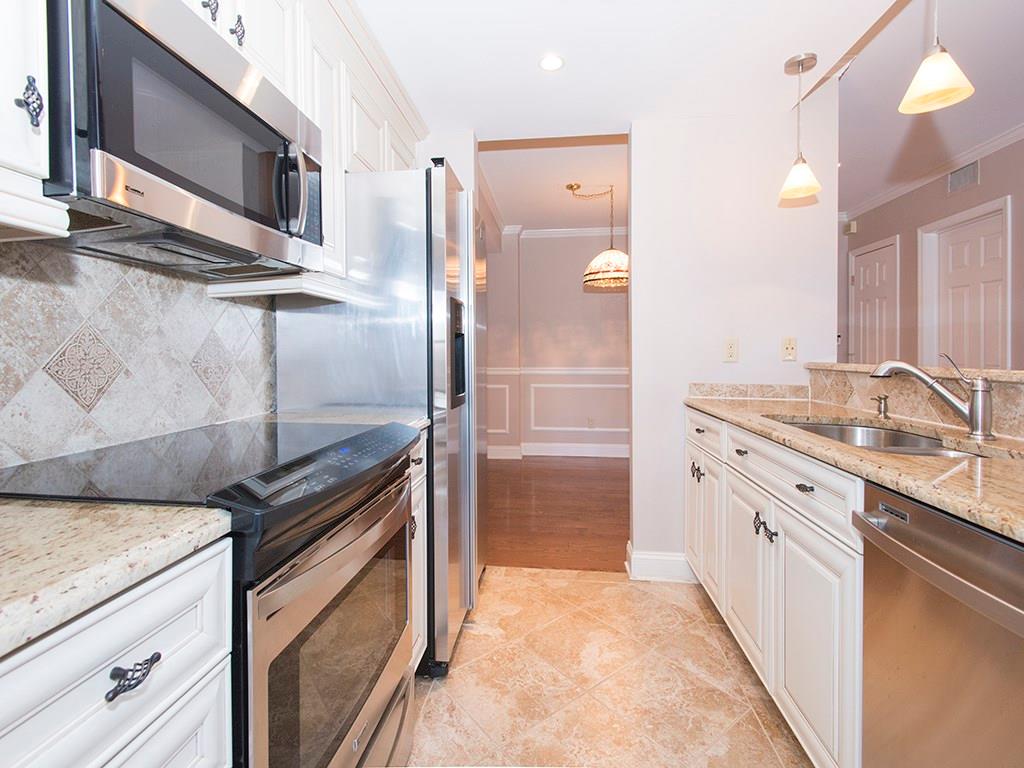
{"points": [[171, 149]]}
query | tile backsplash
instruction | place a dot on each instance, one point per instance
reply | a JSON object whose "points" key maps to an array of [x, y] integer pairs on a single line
{"points": [[94, 353], [910, 399]]}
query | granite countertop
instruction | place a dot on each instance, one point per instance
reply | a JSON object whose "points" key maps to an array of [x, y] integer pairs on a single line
{"points": [[357, 414], [985, 491], [60, 559]]}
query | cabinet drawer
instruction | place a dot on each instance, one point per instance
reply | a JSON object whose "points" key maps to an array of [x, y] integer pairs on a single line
{"points": [[61, 717], [195, 731], [705, 431], [825, 495]]}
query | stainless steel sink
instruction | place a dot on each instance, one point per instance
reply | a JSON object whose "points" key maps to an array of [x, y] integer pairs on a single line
{"points": [[881, 439]]}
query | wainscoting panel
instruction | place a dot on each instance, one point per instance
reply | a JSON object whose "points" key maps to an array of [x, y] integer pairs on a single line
{"points": [[558, 412]]}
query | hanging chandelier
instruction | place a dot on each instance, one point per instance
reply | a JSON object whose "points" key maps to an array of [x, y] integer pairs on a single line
{"points": [[609, 270]]}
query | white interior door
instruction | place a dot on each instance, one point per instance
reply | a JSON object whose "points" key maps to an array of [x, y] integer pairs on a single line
{"points": [[973, 296], [874, 302]]}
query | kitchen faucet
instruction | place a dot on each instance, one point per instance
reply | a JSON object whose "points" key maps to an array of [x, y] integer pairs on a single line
{"points": [[976, 412]]}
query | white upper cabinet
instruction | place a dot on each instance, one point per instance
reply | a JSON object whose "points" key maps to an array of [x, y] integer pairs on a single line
{"points": [[323, 97], [266, 32], [24, 125], [400, 156], [366, 130], [23, 117]]}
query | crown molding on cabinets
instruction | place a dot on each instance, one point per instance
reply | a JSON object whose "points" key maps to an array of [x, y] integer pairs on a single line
{"points": [[380, 66]]}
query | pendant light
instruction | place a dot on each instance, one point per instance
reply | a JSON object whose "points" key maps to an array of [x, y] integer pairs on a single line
{"points": [[800, 181], [939, 82], [609, 270]]}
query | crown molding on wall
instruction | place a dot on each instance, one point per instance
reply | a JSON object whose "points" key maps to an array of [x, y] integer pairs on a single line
{"points": [[577, 232], [966, 157], [557, 142]]}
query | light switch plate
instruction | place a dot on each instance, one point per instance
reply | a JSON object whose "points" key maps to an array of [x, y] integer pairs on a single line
{"points": [[732, 350], [789, 348]]}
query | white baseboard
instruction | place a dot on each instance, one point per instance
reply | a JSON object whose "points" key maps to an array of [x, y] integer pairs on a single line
{"points": [[658, 566], [597, 450], [504, 452]]}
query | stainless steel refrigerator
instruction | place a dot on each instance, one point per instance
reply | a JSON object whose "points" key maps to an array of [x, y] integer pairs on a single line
{"points": [[405, 339]]}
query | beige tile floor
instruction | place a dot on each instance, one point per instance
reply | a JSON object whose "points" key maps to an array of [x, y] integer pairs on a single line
{"points": [[581, 668]]}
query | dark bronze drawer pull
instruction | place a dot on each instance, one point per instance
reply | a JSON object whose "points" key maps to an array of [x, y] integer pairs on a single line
{"points": [[805, 488], [130, 679], [417, 460], [742, 451], [770, 534], [758, 524], [699, 431]]}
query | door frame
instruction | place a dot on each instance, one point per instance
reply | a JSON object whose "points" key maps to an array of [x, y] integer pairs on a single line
{"points": [[928, 273], [851, 256]]}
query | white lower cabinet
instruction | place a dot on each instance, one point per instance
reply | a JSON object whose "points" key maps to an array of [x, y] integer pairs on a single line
{"points": [[173, 630], [818, 638], [191, 734], [747, 583], [786, 570]]}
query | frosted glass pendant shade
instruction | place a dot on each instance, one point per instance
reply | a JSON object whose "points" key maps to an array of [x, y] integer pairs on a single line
{"points": [[800, 181], [939, 83], [609, 269]]}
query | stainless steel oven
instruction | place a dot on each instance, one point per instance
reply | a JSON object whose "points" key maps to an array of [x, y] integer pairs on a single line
{"points": [[330, 646], [171, 149]]}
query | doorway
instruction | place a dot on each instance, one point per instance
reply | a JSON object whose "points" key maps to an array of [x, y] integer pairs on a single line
{"points": [[558, 356], [875, 301], [964, 287]]}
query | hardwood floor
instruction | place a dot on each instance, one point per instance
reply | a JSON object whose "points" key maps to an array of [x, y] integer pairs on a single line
{"points": [[557, 512]]}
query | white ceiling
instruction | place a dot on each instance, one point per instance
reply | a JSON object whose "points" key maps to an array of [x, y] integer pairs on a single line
{"points": [[529, 185], [883, 151], [469, 64]]}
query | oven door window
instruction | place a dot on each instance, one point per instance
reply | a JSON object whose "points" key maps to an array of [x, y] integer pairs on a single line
{"points": [[318, 684], [160, 115]]}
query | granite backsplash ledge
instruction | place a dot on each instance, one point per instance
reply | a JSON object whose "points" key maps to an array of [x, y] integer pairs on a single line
{"points": [[909, 399], [94, 353]]}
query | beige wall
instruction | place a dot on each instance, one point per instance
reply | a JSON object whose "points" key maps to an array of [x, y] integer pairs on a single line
{"points": [[715, 256], [1001, 173], [558, 358]]}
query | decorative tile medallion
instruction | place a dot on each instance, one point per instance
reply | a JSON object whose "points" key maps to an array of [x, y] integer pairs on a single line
{"points": [[212, 363], [85, 367]]}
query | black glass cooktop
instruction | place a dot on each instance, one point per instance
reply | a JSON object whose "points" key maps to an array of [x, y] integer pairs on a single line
{"points": [[187, 467]]}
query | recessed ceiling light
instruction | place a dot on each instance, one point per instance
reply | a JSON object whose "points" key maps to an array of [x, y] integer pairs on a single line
{"points": [[552, 62]]}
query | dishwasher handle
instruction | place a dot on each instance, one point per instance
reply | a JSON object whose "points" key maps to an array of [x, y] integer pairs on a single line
{"points": [[941, 571]]}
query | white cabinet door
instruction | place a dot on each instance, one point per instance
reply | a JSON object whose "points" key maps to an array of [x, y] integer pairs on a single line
{"points": [[692, 528], [817, 638], [324, 99], [269, 37], [211, 11], [366, 130], [747, 581], [713, 553], [400, 156], [418, 567], [25, 147], [195, 731]]}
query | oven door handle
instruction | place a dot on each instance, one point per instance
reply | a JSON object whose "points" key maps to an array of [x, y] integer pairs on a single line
{"points": [[331, 554]]}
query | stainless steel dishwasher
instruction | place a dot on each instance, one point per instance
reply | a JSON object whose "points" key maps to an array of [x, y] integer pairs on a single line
{"points": [[943, 639]]}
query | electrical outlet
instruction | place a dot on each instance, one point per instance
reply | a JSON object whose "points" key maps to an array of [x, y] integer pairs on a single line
{"points": [[732, 350], [789, 348]]}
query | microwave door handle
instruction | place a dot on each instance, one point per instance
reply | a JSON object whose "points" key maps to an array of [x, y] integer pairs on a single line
{"points": [[300, 163]]}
